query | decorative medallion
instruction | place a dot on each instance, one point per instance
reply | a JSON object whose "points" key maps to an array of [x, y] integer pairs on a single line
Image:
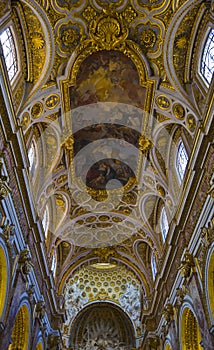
{"points": [[69, 35], [163, 102], [191, 122], [25, 120], [52, 101], [178, 111], [148, 36], [129, 14], [89, 13], [37, 110], [37, 41]]}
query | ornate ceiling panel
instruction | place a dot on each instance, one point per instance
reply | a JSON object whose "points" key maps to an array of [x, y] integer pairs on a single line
{"points": [[106, 109]]}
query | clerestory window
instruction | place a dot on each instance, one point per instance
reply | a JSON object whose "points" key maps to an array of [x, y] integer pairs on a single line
{"points": [[207, 60], [9, 52], [181, 160], [45, 221], [154, 266], [164, 223]]}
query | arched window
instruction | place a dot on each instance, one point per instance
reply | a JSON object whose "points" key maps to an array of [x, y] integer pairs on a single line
{"points": [[32, 156], [45, 221], [9, 52], [164, 223], [181, 160], [154, 266], [207, 60], [54, 263]]}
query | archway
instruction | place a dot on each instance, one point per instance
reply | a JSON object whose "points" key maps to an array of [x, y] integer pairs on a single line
{"points": [[21, 329], [3, 280], [102, 326], [190, 332]]}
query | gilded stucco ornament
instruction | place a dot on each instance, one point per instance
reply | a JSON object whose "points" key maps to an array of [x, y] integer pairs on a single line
{"points": [[129, 14], [36, 53], [168, 313], [40, 310], [36, 110], [178, 110], [108, 32], [191, 122], [163, 102], [207, 235], [4, 7], [180, 294], [25, 264], [89, 13], [104, 253], [187, 265], [148, 36], [52, 101], [144, 144], [68, 4], [9, 232], [153, 341], [4, 187], [181, 44], [69, 35]]}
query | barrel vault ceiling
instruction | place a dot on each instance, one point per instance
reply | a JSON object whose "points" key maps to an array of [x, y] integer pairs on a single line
{"points": [[105, 95]]}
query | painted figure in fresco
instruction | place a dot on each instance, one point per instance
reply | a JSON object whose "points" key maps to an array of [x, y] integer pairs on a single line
{"points": [[108, 77]]}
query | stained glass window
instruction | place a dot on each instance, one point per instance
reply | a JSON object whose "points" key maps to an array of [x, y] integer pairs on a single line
{"points": [[207, 61], [164, 223], [181, 161], [9, 52], [154, 266]]}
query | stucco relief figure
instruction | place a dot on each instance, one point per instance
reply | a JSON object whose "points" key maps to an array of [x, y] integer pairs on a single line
{"points": [[73, 301], [131, 303]]}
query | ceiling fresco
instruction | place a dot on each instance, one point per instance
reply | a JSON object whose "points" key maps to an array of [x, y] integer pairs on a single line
{"points": [[105, 106]]}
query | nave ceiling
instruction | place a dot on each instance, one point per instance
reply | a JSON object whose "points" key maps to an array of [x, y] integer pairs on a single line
{"points": [[105, 94]]}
